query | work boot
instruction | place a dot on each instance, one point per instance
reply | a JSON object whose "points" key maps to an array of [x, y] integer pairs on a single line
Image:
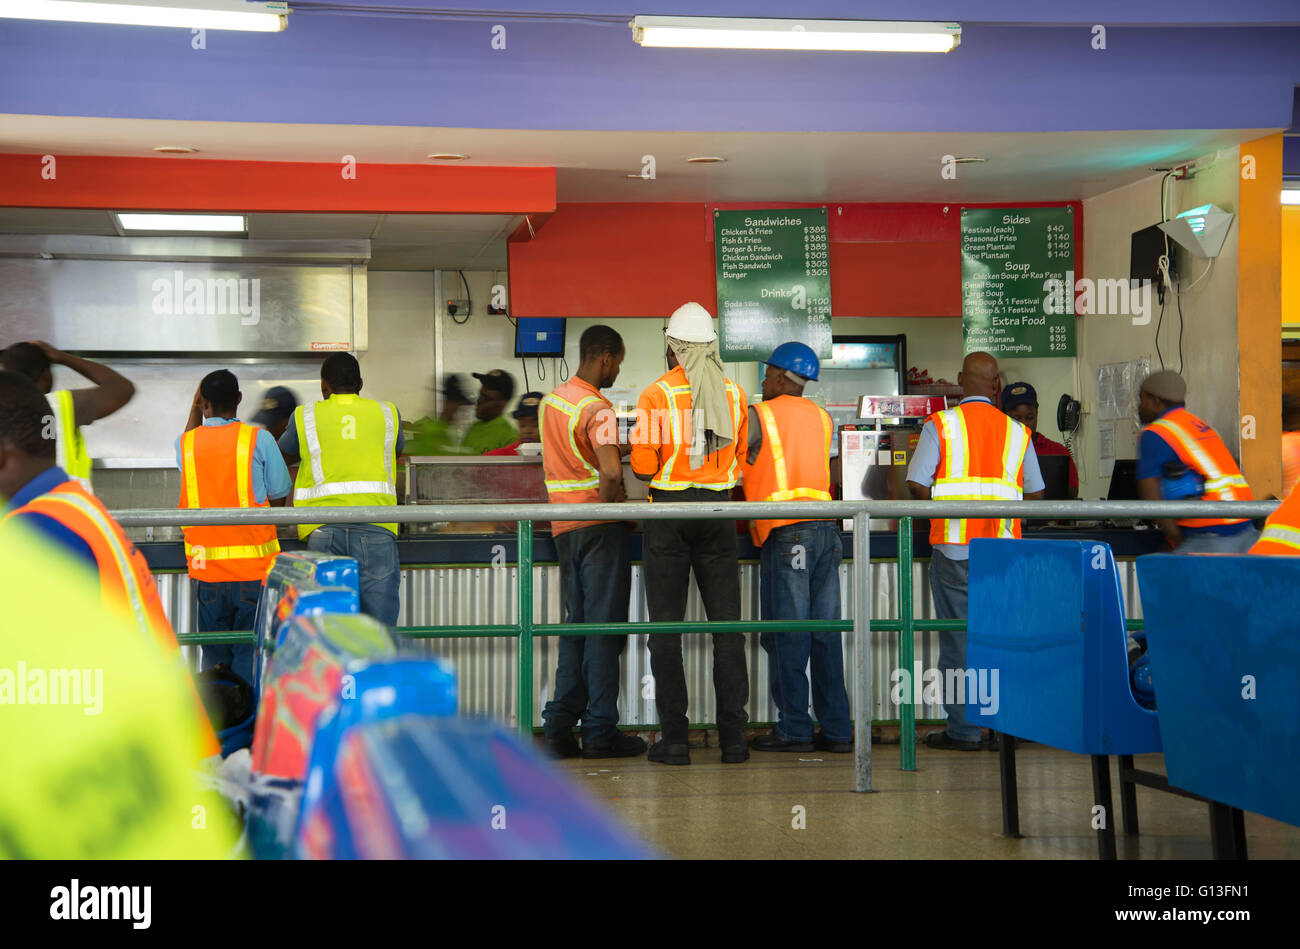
{"points": [[734, 749], [665, 753], [775, 741], [616, 745], [563, 745], [822, 743]]}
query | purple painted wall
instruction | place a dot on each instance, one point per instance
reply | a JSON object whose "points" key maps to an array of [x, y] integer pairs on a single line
{"points": [[575, 75]]}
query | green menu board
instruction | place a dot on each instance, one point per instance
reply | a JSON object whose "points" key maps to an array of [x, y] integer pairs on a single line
{"points": [[774, 281], [1017, 281]]}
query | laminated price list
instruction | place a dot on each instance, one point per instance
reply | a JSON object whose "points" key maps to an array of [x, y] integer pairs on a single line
{"points": [[1017, 281], [773, 279]]}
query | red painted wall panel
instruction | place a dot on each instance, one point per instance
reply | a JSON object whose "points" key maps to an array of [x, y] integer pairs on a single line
{"points": [[614, 260]]}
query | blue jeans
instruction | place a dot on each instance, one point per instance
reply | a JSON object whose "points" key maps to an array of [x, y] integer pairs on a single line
{"points": [[227, 606], [596, 577], [1208, 542], [949, 580], [799, 574], [375, 551]]}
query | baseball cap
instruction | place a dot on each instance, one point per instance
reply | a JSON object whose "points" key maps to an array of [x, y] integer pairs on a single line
{"points": [[528, 403], [453, 388], [276, 406], [1018, 393], [499, 381]]}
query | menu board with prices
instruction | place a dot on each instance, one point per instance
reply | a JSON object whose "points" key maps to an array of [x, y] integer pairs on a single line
{"points": [[774, 284], [1017, 281]]}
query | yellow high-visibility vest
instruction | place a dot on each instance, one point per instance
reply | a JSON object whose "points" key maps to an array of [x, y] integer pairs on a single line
{"points": [[69, 447], [100, 731], [346, 447]]}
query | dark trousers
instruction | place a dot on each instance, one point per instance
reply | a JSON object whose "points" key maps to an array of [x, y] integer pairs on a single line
{"points": [[227, 606], [596, 577], [673, 549]]}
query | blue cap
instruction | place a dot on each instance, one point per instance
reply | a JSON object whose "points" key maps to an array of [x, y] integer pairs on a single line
{"points": [[528, 403], [797, 358], [276, 406], [1018, 393]]}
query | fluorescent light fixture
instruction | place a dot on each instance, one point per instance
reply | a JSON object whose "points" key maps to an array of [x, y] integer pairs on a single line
{"points": [[1291, 195], [707, 32], [1202, 230], [201, 223], [188, 14]]}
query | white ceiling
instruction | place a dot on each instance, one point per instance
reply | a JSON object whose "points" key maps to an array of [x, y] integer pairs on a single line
{"points": [[592, 166]]}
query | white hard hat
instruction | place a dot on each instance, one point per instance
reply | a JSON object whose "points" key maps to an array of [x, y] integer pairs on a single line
{"points": [[691, 323]]}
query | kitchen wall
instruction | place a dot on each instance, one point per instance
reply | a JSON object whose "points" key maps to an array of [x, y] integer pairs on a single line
{"points": [[1209, 311]]}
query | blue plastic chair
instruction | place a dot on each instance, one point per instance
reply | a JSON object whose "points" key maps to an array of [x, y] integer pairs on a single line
{"points": [[1223, 633], [1048, 617]]}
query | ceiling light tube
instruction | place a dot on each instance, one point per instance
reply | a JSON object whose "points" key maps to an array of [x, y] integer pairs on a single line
{"points": [[200, 223], [188, 14], [888, 36]]}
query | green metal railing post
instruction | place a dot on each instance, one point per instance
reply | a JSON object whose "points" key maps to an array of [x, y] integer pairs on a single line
{"points": [[906, 648], [525, 672]]}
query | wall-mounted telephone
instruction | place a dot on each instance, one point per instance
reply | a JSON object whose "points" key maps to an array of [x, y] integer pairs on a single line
{"points": [[1067, 415]]}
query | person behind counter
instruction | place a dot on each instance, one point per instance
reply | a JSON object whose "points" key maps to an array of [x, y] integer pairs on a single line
{"points": [[275, 410], [970, 452], [525, 416], [225, 463], [1181, 457], [70, 409], [351, 461], [582, 465], [433, 436], [1020, 401], [691, 427], [492, 430], [799, 567]]}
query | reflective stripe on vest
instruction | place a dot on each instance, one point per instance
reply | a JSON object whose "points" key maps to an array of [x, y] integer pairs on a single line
{"points": [[772, 438], [324, 489], [69, 446], [197, 555], [956, 483], [1280, 534], [664, 480], [130, 585], [1220, 485], [572, 413]]}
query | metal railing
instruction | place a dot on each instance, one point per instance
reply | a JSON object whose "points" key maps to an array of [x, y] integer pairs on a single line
{"points": [[861, 624]]}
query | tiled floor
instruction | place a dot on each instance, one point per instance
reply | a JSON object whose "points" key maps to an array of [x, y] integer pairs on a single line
{"points": [[949, 807]]}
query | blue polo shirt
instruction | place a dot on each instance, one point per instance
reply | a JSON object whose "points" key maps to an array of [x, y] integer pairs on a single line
{"points": [[69, 540], [270, 474], [1153, 454]]}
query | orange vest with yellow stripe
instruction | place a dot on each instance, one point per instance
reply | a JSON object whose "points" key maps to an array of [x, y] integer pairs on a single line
{"points": [[125, 582], [1201, 449], [793, 463], [661, 440], [1281, 534], [217, 471], [568, 458], [981, 458]]}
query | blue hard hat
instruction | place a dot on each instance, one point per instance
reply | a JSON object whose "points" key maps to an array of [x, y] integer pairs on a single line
{"points": [[796, 357]]}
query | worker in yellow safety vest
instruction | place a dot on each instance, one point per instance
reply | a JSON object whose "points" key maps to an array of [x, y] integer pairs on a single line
{"points": [[103, 730], [346, 449], [70, 409], [1180, 457], [788, 459], [45, 502], [225, 463]]}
